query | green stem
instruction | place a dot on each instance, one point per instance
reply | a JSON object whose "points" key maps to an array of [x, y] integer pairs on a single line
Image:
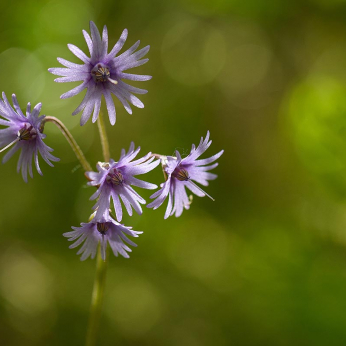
{"points": [[75, 147], [101, 266], [97, 299], [103, 137]]}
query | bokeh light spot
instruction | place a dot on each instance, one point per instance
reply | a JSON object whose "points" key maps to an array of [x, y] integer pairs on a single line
{"points": [[247, 66], [25, 282], [193, 52], [317, 110], [23, 74], [134, 302]]}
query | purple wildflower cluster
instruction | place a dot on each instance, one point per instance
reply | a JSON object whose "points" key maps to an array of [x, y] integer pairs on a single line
{"points": [[102, 74], [114, 180], [23, 132], [183, 173], [103, 230]]}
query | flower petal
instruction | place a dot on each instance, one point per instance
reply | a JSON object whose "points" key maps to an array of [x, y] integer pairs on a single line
{"points": [[78, 53]]}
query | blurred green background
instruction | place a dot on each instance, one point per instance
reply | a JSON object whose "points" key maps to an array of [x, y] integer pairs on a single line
{"points": [[263, 265]]}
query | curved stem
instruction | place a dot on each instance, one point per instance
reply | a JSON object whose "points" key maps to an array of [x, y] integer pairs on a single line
{"points": [[101, 266], [103, 137], [97, 299], [75, 147]]}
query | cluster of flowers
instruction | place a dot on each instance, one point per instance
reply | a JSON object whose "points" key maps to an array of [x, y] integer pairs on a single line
{"points": [[102, 74]]}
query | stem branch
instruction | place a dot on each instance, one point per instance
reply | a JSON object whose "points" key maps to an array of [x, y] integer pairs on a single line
{"points": [[163, 159], [75, 147], [103, 136]]}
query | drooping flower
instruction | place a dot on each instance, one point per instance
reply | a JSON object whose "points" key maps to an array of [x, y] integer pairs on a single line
{"points": [[114, 179], [102, 74], [183, 173], [23, 132], [105, 230]]}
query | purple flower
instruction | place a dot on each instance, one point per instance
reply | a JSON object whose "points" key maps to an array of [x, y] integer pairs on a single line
{"points": [[182, 173], [114, 179], [102, 231], [102, 74], [23, 132]]}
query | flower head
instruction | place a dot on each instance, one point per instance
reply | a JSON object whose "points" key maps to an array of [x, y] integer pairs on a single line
{"points": [[102, 74], [114, 179], [183, 173], [23, 132], [102, 231]]}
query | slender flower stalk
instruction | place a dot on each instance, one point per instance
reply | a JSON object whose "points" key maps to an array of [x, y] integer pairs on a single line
{"points": [[75, 147], [97, 298], [101, 264], [103, 137], [163, 160]]}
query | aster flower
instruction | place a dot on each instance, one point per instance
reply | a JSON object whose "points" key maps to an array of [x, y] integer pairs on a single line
{"points": [[183, 173], [102, 231], [23, 132], [114, 179], [102, 74]]}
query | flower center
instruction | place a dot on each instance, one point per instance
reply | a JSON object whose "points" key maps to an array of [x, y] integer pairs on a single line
{"points": [[115, 177], [27, 132], [102, 227], [182, 174], [101, 73]]}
